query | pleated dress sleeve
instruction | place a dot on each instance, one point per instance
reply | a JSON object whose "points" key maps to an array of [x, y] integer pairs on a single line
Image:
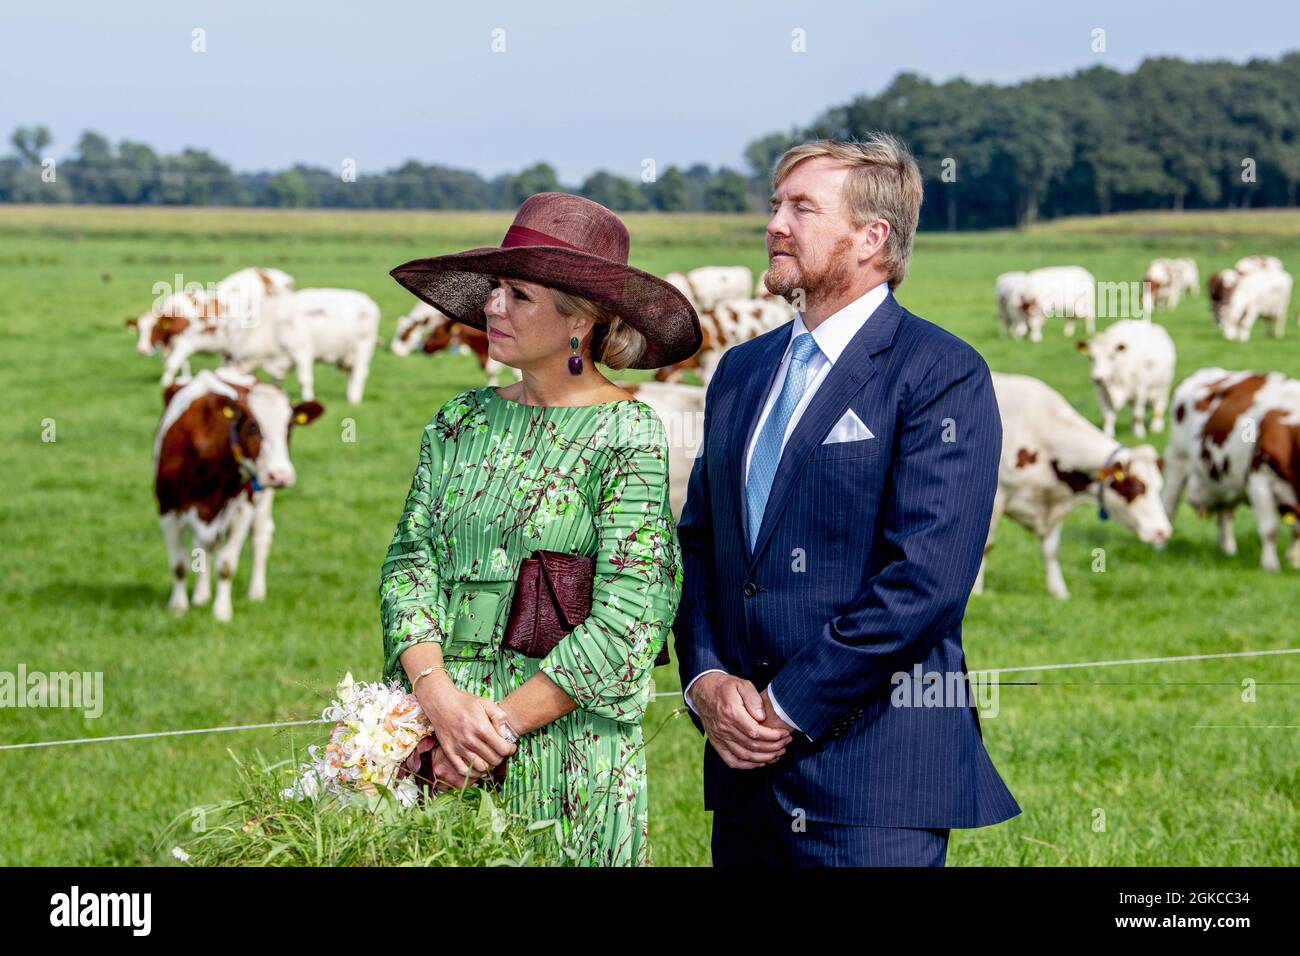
{"points": [[606, 662], [412, 605]]}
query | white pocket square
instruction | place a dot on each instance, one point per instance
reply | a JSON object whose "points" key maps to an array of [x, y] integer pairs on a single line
{"points": [[848, 428]]}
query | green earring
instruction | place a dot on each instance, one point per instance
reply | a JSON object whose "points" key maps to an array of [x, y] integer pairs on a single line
{"points": [[575, 360]]}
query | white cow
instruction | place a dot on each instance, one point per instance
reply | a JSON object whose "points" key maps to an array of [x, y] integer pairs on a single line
{"points": [[1132, 361], [707, 286], [239, 292], [1054, 460], [1258, 263], [221, 450], [681, 409], [1239, 298], [336, 326], [1066, 291], [1166, 281], [236, 300], [1007, 289], [682, 284], [1236, 440]]}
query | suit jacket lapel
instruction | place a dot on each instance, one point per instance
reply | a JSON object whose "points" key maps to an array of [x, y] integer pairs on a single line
{"points": [[845, 379]]}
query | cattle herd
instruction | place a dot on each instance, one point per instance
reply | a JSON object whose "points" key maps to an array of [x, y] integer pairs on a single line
{"points": [[1235, 437], [222, 445]]}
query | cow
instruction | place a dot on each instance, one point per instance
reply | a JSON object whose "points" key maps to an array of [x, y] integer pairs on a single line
{"points": [[336, 326], [682, 284], [1235, 439], [1258, 263], [221, 450], [1055, 460], [235, 302], [727, 324], [1011, 321], [708, 286], [1068, 291], [1166, 281], [681, 409], [414, 327], [154, 328], [190, 304], [1238, 299], [1132, 361]]}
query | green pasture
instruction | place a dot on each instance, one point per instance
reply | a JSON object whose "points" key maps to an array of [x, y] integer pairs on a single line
{"points": [[1136, 764]]}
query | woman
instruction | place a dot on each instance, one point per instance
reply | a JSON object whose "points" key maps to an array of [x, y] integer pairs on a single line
{"points": [[563, 460]]}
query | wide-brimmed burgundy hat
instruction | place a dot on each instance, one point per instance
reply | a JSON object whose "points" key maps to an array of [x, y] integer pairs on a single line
{"points": [[569, 243]]}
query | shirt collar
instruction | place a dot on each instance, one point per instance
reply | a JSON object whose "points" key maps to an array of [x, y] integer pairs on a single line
{"points": [[836, 332]]}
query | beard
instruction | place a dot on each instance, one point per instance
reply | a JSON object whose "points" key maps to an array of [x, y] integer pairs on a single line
{"points": [[821, 281]]}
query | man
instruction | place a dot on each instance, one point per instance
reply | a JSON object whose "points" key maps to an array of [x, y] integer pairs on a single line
{"points": [[833, 528]]}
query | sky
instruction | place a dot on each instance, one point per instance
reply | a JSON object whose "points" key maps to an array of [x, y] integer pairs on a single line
{"points": [[584, 85]]}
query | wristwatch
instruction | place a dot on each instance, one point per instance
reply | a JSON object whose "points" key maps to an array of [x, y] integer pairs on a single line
{"points": [[505, 731]]}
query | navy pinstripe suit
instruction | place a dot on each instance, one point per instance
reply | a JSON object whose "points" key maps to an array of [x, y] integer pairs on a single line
{"points": [[890, 531]]}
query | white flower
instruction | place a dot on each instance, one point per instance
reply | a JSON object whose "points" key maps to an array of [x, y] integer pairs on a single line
{"points": [[376, 726], [180, 854]]}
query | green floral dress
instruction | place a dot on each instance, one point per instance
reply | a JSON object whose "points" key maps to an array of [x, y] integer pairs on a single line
{"points": [[496, 480]]}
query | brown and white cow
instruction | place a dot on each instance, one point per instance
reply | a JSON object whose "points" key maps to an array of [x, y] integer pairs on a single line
{"points": [[1239, 298], [173, 314], [1166, 281], [1132, 361], [221, 450], [1054, 460], [724, 326], [1235, 439], [186, 303], [414, 327], [234, 304], [1027, 299], [154, 329]]}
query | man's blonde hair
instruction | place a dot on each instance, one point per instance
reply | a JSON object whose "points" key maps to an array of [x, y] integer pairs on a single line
{"points": [[883, 183]]}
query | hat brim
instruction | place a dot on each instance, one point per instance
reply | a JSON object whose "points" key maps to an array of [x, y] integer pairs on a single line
{"points": [[458, 285]]}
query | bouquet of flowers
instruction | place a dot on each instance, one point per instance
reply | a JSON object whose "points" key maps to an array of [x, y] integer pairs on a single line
{"points": [[379, 735]]}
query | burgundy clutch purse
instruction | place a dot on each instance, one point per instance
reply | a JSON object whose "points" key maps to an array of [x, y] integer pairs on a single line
{"points": [[419, 764], [552, 597]]}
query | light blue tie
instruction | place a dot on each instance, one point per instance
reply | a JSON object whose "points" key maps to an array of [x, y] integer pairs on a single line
{"points": [[767, 453]]}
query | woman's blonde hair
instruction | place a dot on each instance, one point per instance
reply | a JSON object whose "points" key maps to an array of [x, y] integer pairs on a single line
{"points": [[614, 343]]}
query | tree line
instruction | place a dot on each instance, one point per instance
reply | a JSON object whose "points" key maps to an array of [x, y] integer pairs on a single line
{"points": [[1172, 134]]}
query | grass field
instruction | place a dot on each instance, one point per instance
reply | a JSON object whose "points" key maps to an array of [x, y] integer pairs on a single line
{"points": [[1179, 767]]}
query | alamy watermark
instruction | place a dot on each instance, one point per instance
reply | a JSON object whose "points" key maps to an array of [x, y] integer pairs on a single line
{"points": [[74, 689], [921, 688]]}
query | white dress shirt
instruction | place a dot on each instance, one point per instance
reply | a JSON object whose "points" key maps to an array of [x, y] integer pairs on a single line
{"points": [[832, 338]]}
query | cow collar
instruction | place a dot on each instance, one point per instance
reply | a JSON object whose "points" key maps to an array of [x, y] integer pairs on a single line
{"points": [[246, 467], [1102, 513]]}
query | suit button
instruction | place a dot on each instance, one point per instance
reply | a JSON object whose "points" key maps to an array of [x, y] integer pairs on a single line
{"points": [[751, 589]]}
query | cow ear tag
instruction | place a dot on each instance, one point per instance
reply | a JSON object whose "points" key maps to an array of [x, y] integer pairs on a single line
{"points": [[301, 418], [1119, 474], [1289, 518], [227, 411]]}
